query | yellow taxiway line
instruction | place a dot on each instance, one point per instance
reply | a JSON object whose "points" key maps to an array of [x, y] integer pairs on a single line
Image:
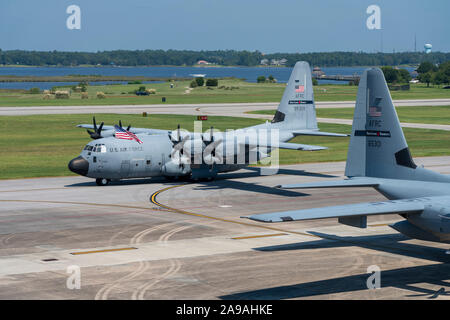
{"points": [[154, 201]]}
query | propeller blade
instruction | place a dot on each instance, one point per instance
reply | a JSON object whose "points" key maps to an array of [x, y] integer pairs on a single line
{"points": [[120, 123], [96, 134], [179, 146], [129, 127]]}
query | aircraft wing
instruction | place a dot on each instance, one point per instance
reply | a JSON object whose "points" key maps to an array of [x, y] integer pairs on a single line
{"points": [[345, 211], [348, 183], [134, 130], [317, 133]]}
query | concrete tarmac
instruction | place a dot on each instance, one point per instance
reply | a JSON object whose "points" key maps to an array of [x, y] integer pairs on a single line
{"points": [[154, 239]]}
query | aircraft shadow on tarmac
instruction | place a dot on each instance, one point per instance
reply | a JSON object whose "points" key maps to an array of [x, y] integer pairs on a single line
{"points": [[292, 172], [252, 187], [126, 182], [402, 278], [223, 181]]}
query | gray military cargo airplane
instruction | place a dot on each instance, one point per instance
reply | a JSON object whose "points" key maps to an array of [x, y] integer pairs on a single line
{"points": [[379, 157], [117, 153]]}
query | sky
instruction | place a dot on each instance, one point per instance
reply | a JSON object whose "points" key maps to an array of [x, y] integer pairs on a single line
{"points": [[267, 26]]}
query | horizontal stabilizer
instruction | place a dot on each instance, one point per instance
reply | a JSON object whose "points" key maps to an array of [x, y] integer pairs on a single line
{"points": [[287, 145], [298, 146], [358, 182], [318, 133], [350, 210]]}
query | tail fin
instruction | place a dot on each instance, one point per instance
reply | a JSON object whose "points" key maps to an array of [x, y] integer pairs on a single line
{"points": [[377, 145], [296, 109]]}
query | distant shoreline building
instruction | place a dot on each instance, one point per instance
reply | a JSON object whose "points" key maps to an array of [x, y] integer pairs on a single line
{"points": [[317, 72]]}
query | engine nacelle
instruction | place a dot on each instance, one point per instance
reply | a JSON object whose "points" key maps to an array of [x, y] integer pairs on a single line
{"points": [[175, 169], [434, 219]]}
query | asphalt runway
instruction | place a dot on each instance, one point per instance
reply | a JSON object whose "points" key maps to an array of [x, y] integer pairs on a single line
{"points": [[218, 109], [153, 239]]}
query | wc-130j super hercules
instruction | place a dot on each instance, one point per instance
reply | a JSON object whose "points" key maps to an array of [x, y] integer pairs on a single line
{"points": [[118, 153]]}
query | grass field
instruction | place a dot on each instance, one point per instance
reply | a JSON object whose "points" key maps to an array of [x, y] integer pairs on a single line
{"points": [[246, 92], [39, 146], [423, 114]]}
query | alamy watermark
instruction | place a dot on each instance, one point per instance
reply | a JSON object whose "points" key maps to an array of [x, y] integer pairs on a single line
{"points": [[374, 280], [73, 21], [374, 20], [74, 280]]}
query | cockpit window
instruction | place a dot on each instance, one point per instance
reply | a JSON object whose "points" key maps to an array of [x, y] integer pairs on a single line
{"points": [[96, 148]]}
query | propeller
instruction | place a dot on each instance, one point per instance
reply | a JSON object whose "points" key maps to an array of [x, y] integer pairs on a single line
{"points": [[211, 158], [120, 125], [97, 133], [175, 139], [177, 153], [211, 135]]}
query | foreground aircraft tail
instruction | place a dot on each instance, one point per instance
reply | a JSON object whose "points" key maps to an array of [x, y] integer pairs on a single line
{"points": [[377, 148], [377, 151], [377, 145]]}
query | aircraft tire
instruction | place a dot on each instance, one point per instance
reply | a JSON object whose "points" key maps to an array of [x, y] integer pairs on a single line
{"points": [[102, 181]]}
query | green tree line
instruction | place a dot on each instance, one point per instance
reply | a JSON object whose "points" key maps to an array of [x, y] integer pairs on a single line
{"points": [[220, 57], [430, 73]]}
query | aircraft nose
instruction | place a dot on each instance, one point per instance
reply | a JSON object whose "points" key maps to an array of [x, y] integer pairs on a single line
{"points": [[79, 165]]}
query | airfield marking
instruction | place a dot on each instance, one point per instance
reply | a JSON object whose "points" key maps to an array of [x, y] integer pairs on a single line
{"points": [[374, 246], [101, 251], [175, 210], [81, 203], [260, 236]]}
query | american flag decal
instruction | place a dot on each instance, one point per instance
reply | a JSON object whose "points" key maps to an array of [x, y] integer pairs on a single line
{"points": [[299, 88], [121, 133], [375, 111]]}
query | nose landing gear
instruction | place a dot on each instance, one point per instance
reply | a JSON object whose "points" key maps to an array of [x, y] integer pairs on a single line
{"points": [[102, 181]]}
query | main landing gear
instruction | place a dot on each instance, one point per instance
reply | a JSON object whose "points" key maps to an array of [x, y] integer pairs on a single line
{"points": [[102, 181]]}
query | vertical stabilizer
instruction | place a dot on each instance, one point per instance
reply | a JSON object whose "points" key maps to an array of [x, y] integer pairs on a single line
{"points": [[377, 146], [296, 109]]}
